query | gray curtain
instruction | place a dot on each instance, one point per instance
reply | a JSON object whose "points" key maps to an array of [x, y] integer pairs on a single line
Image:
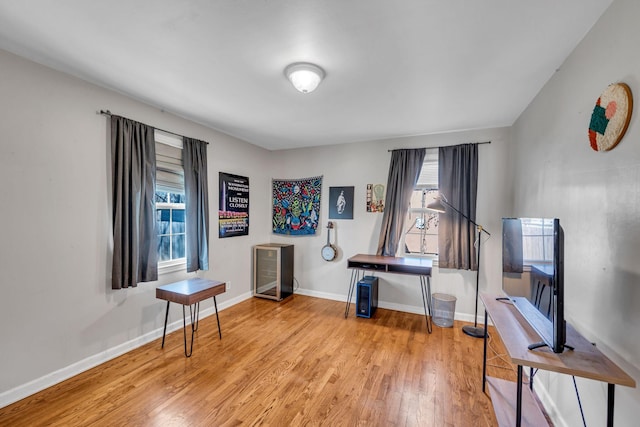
{"points": [[133, 166], [458, 183], [194, 155], [404, 171]]}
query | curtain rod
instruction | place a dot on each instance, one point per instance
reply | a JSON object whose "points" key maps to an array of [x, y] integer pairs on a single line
{"points": [[108, 113], [484, 142]]}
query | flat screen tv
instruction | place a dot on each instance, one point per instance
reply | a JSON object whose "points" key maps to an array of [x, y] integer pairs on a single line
{"points": [[533, 276]]}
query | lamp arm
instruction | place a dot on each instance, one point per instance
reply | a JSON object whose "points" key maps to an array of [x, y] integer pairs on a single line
{"points": [[478, 226]]}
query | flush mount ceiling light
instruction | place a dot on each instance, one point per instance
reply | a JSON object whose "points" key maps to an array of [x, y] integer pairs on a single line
{"points": [[304, 76]]}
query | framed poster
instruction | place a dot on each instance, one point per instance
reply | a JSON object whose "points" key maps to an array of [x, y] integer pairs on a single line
{"points": [[233, 209], [340, 202]]}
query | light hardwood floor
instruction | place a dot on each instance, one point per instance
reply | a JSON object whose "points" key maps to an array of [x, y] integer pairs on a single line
{"points": [[294, 363]]}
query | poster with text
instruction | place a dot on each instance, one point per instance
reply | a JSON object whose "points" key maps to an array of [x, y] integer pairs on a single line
{"points": [[233, 210]]}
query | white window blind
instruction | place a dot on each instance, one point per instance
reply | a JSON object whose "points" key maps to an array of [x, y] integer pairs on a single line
{"points": [[169, 167], [429, 173]]}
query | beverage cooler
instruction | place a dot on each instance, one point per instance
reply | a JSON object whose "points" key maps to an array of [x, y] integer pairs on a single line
{"points": [[273, 271]]}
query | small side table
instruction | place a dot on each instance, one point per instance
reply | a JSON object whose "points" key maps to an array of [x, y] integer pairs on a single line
{"points": [[190, 292]]}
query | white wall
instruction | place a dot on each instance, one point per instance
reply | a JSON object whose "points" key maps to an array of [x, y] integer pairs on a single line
{"points": [[365, 163], [58, 314], [596, 195]]}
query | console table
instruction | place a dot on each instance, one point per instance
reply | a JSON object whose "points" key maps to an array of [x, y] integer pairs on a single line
{"points": [[584, 361], [190, 292], [420, 267]]}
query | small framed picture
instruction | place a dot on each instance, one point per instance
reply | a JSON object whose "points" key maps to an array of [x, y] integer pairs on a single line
{"points": [[375, 198], [341, 202]]}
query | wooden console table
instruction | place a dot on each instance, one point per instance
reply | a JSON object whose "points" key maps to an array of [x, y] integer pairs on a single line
{"points": [[190, 292], [388, 264], [584, 361]]}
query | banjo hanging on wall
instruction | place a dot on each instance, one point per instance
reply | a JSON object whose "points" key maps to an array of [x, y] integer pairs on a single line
{"points": [[329, 251]]}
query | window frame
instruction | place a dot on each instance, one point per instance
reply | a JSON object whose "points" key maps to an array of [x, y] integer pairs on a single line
{"points": [[414, 212], [178, 264], [427, 182], [174, 264]]}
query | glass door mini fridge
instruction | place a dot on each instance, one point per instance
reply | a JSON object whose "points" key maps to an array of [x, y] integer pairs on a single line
{"points": [[273, 271]]}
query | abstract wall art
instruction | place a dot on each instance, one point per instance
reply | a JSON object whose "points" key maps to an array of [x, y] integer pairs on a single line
{"points": [[610, 117], [296, 205]]}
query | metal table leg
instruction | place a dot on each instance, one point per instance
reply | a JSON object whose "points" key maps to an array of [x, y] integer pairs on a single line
{"points": [[611, 391], [352, 286], [164, 332], [519, 398], [425, 286], [215, 304], [195, 316], [484, 357], [184, 331]]}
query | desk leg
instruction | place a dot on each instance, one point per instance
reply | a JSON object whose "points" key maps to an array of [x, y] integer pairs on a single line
{"points": [[164, 331], [195, 316], [425, 286], [611, 391], [519, 398], [215, 304], [484, 354], [184, 331], [352, 286]]}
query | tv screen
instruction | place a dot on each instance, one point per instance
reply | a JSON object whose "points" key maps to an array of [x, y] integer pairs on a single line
{"points": [[533, 275]]}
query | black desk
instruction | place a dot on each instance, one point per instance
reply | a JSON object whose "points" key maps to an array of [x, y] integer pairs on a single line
{"points": [[420, 267]]}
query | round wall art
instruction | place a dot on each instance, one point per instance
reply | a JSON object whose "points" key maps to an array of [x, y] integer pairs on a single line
{"points": [[610, 117]]}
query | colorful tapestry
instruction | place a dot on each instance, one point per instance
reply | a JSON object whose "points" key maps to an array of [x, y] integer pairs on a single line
{"points": [[296, 205]]}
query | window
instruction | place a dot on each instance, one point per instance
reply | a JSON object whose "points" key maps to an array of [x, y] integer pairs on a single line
{"points": [[420, 235], [171, 228], [170, 203]]}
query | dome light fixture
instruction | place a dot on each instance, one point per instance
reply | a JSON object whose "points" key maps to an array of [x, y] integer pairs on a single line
{"points": [[304, 76]]}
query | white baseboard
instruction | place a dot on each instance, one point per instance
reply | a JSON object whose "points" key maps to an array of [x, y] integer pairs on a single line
{"points": [[415, 309], [10, 396]]}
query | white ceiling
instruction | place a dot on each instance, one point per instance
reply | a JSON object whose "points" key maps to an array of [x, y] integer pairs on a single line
{"points": [[394, 67]]}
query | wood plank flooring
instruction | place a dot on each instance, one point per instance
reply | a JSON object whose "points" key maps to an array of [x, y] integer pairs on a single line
{"points": [[294, 363]]}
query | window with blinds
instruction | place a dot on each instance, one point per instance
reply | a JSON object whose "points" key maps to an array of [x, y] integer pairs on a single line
{"points": [[169, 169], [420, 236], [429, 173], [170, 203]]}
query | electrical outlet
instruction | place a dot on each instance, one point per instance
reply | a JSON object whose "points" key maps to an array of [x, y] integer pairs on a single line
{"points": [[228, 285]]}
